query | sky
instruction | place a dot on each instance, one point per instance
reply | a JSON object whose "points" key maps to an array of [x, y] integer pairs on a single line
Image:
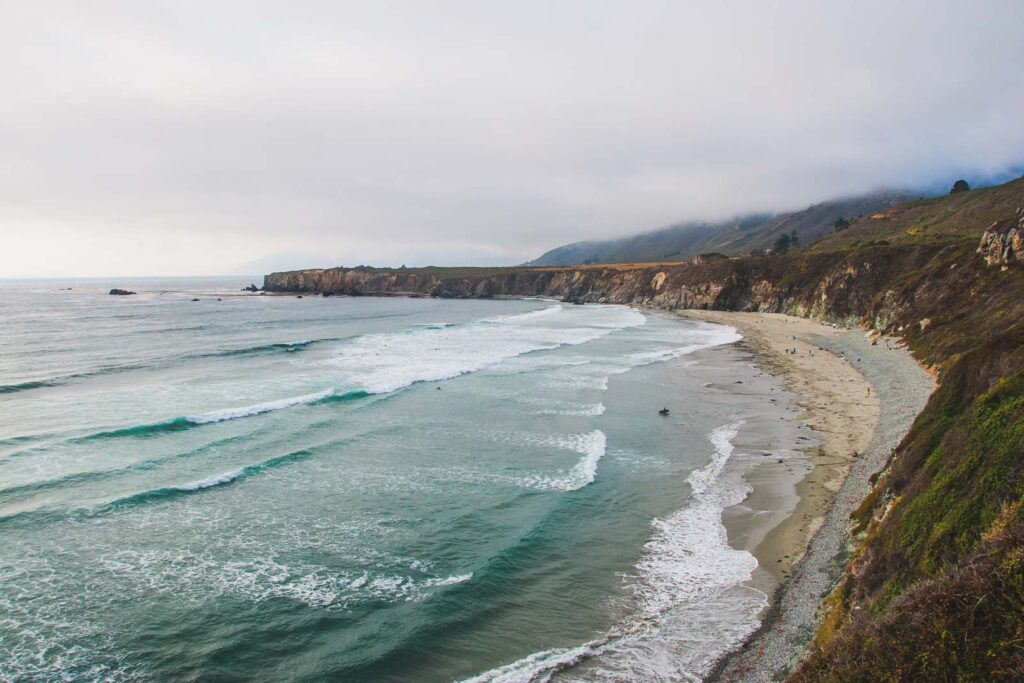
{"points": [[179, 138]]}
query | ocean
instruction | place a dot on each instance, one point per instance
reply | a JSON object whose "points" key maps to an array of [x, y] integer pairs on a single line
{"points": [[273, 488]]}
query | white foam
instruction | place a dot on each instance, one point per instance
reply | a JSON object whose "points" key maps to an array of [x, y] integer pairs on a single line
{"points": [[448, 580], [532, 315], [215, 480], [692, 606], [591, 445], [259, 579], [258, 408], [382, 363], [583, 409], [539, 666], [689, 555], [595, 374]]}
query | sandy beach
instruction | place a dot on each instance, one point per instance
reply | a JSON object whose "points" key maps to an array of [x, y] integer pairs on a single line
{"points": [[835, 401], [857, 400]]}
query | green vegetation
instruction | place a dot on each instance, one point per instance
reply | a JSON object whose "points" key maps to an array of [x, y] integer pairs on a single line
{"points": [[734, 237], [935, 590], [963, 626], [785, 242], [945, 219], [960, 186], [442, 272], [941, 596]]}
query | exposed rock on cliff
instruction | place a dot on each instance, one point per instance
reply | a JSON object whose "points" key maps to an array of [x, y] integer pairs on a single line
{"points": [[887, 287], [1003, 242]]}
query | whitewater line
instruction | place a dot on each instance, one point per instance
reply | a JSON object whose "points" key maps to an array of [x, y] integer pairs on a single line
{"points": [[684, 573]]}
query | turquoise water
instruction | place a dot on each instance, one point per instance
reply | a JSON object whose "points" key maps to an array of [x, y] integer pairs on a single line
{"points": [[357, 489]]}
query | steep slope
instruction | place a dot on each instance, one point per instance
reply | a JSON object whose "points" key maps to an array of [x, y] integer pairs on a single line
{"points": [[734, 237], [939, 219], [933, 588], [673, 243]]}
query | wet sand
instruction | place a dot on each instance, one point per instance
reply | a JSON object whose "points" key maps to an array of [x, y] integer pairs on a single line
{"points": [[836, 402], [794, 519]]}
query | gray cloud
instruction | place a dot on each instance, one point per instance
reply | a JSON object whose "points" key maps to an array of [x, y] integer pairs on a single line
{"points": [[189, 137]]}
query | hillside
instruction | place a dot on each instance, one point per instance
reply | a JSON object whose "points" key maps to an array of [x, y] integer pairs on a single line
{"points": [[947, 218], [733, 237], [932, 584]]}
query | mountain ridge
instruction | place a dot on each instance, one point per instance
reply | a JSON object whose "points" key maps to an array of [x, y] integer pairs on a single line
{"points": [[734, 237]]}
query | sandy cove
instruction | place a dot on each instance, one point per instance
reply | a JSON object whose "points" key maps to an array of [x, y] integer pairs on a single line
{"points": [[836, 401], [861, 400]]}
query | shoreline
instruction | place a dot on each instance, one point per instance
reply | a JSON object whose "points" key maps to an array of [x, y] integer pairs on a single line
{"points": [[845, 391], [834, 400]]}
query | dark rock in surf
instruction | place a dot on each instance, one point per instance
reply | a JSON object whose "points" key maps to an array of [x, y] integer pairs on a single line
{"points": [[120, 292]]}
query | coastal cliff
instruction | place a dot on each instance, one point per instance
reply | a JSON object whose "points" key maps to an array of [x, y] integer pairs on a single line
{"points": [[933, 580], [891, 288]]}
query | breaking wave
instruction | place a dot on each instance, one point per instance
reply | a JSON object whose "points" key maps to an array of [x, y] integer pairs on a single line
{"points": [[61, 380], [692, 606], [591, 445]]}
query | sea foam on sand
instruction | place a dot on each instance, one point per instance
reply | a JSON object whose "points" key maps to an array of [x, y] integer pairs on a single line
{"points": [[692, 605]]}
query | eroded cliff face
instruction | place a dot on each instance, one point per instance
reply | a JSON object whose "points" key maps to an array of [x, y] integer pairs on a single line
{"points": [[872, 286]]}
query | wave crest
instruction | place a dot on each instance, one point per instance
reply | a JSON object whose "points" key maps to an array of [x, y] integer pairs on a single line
{"points": [[692, 606], [591, 445]]}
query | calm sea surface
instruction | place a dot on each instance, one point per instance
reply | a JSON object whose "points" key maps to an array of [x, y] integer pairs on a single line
{"points": [[357, 489]]}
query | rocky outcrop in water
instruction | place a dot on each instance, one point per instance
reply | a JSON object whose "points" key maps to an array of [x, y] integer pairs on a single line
{"points": [[120, 292]]}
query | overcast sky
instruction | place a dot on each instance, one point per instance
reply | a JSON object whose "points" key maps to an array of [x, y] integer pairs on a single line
{"points": [[182, 137]]}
